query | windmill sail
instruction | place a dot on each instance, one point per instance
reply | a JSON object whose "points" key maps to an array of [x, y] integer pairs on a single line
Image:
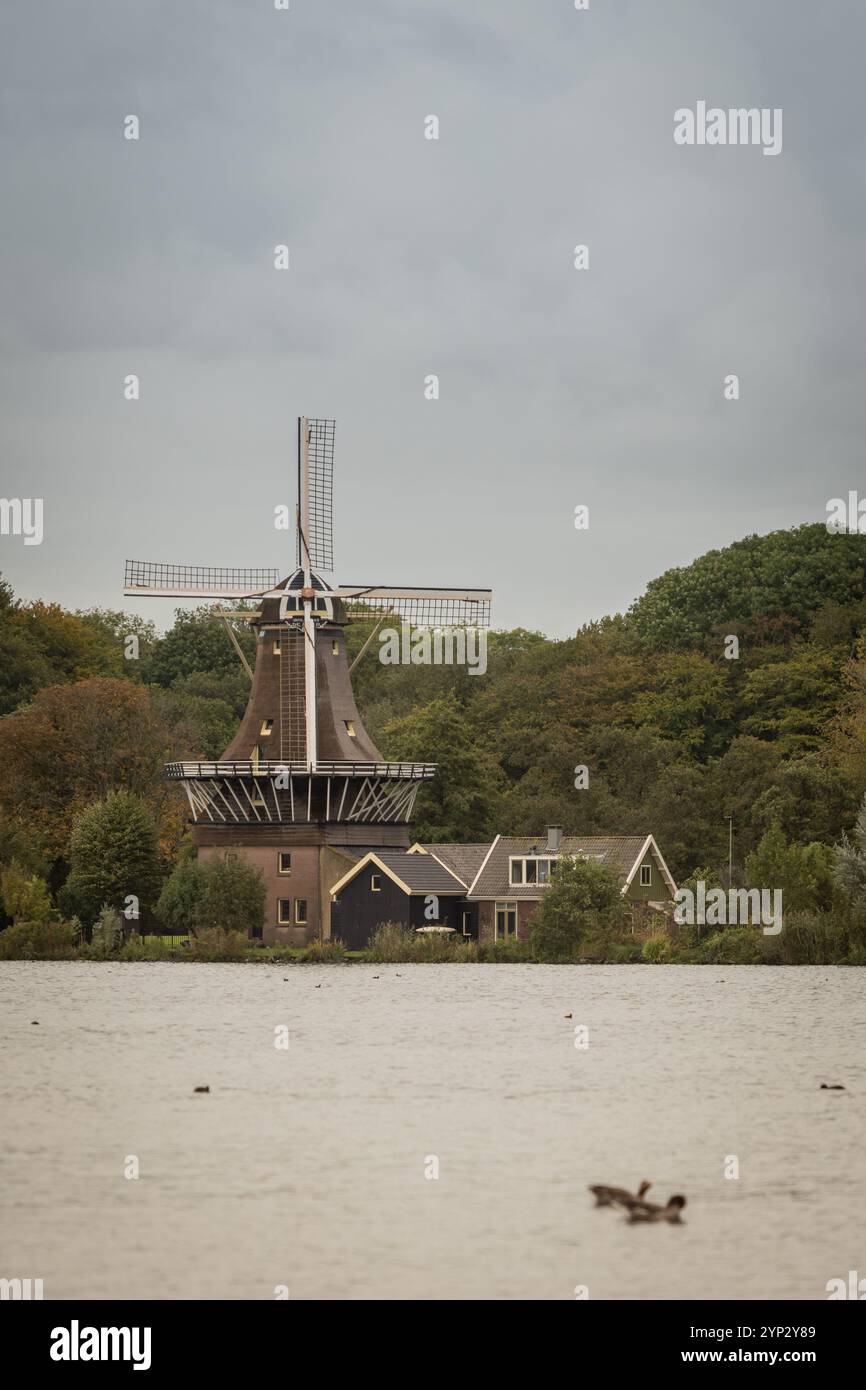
{"points": [[202, 581], [421, 607], [316, 494]]}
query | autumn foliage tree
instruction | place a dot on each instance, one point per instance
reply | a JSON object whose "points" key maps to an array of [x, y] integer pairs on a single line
{"points": [[71, 746]]}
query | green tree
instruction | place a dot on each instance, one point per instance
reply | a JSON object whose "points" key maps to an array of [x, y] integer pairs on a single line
{"points": [[583, 897], [788, 573], [223, 892], [198, 642], [801, 872], [113, 854], [460, 802], [181, 897], [790, 701], [25, 896]]}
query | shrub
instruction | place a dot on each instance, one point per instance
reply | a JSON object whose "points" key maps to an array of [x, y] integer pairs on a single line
{"points": [[813, 938], [324, 951], [626, 953], [734, 946], [390, 942], [107, 934], [144, 948], [656, 948], [38, 941], [216, 944]]}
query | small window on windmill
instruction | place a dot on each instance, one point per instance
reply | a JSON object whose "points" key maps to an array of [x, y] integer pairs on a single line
{"points": [[350, 728], [335, 649], [267, 727], [276, 647], [285, 862]]}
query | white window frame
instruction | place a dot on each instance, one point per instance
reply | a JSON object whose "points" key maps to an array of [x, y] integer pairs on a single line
{"points": [[281, 920], [375, 883], [299, 920], [648, 870], [522, 860], [284, 873]]}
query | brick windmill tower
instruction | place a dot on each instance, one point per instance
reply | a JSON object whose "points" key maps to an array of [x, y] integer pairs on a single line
{"points": [[302, 790]]}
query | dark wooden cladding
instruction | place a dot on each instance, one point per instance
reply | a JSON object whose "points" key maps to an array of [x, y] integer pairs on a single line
{"points": [[336, 709], [277, 698]]}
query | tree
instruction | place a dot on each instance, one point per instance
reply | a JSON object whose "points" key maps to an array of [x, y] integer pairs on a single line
{"points": [[198, 642], [689, 702], [181, 896], [788, 573], [226, 892], [849, 868], [113, 854], [75, 743], [115, 628], [25, 896], [790, 701], [205, 726], [460, 802], [801, 872], [583, 896]]}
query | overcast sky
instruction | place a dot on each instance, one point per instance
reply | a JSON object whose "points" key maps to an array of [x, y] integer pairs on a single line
{"points": [[411, 257]]}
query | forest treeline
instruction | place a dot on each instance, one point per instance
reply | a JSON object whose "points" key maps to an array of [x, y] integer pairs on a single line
{"points": [[676, 735]]}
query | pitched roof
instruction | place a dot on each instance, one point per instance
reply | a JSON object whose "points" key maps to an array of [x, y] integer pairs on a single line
{"points": [[415, 873], [617, 852], [462, 860]]}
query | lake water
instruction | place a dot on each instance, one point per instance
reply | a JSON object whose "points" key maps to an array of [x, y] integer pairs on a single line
{"points": [[306, 1167]]}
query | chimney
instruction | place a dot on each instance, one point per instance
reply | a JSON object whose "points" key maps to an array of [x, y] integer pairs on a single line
{"points": [[554, 838]]}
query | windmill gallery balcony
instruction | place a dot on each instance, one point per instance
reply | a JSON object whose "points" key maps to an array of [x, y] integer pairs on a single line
{"points": [[261, 792]]}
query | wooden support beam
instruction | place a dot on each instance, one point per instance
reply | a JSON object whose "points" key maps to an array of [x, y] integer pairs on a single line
{"points": [[237, 646]]}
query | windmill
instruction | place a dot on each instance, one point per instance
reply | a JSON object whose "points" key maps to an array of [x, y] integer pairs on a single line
{"points": [[302, 770]]}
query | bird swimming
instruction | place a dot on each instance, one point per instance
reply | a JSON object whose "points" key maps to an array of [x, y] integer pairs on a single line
{"points": [[610, 1196], [651, 1211]]}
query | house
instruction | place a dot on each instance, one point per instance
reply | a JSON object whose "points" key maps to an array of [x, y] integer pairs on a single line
{"points": [[413, 890], [511, 881], [485, 891]]}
